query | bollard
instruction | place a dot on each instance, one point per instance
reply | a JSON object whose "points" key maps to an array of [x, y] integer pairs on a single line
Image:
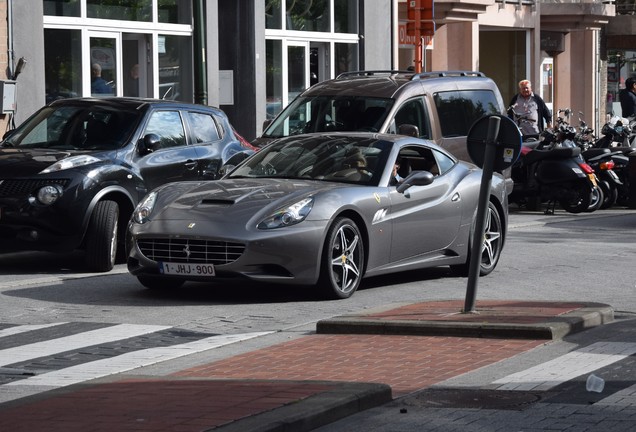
{"points": [[631, 175]]}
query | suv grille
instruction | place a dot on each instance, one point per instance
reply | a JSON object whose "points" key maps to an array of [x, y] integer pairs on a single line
{"points": [[191, 251], [18, 188]]}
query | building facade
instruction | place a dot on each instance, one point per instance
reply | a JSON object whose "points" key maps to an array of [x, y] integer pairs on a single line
{"points": [[251, 57]]}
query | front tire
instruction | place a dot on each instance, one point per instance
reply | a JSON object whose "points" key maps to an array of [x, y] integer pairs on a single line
{"points": [[342, 263], [101, 237]]}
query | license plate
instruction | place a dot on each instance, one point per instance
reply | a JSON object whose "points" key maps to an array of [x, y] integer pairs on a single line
{"points": [[183, 269], [592, 179]]}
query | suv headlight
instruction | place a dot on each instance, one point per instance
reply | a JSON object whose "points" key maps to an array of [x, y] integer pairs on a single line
{"points": [[70, 162], [144, 209], [289, 215], [47, 195]]}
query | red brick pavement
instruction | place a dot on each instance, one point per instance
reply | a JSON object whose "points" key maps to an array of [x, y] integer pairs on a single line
{"points": [[153, 406], [406, 363]]}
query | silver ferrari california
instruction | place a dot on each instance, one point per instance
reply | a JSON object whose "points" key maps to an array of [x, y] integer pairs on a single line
{"points": [[319, 210]]}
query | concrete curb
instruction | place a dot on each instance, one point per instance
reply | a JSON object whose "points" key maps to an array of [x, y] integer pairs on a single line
{"points": [[346, 399], [557, 327]]}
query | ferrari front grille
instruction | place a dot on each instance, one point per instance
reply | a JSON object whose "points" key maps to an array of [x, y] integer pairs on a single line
{"points": [[190, 251]]}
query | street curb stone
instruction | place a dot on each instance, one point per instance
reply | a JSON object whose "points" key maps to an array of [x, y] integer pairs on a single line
{"points": [[346, 399], [587, 316]]}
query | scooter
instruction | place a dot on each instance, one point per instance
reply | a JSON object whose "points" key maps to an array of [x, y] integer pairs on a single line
{"points": [[549, 172]]}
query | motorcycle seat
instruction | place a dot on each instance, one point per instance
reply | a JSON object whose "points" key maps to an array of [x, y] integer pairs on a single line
{"points": [[556, 153], [595, 152]]}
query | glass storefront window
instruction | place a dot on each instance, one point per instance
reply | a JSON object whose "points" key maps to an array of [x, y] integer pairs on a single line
{"points": [[274, 77], [175, 11], [103, 66], [308, 15], [345, 16], [273, 14], [346, 57], [175, 68], [128, 10], [69, 8], [62, 63]]}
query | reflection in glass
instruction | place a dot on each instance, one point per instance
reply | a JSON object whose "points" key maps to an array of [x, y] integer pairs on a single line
{"points": [[273, 14], [103, 66], [296, 71], [308, 15], [175, 11], [346, 57], [70, 8], [128, 10], [175, 68], [62, 64], [345, 16], [274, 77]]}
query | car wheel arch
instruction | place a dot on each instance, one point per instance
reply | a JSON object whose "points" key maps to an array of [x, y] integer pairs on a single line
{"points": [[113, 193]]}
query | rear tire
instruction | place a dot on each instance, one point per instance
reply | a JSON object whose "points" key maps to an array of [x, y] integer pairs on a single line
{"points": [[596, 199], [491, 246], [610, 193], [577, 199], [342, 263], [101, 237]]}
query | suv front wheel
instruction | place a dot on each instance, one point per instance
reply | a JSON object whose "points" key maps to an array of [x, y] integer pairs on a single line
{"points": [[101, 237]]}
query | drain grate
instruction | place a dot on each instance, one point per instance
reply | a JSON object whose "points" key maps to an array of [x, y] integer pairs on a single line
{"points": [[476, 398]]}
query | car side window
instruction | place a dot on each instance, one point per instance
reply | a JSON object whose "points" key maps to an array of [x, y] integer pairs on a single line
{"points": [[458, 110], [412, 112], [203, 127], [168, 126], [417, 158], [444, 163]]}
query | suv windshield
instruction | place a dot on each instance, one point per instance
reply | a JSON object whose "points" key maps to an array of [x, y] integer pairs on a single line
{"points": [[330, 114], [75, 127]]}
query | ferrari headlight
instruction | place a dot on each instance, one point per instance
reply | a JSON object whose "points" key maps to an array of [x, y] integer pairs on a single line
{"points": [[144, 209], [287, 216], [70, 162]]}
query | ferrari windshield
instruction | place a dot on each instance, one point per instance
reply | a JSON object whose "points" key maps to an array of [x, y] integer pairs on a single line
{"points": [[330, 114], [349, 159], [75, 127]]}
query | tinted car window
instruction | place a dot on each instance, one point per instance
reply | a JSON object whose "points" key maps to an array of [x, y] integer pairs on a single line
{"points": [[168, 126], [204, 127], [75, 127], [331, 113], [458, 110], [413, 113]]}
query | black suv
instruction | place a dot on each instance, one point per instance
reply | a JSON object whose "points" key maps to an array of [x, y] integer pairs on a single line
{"points": [[440, 106], [72, 174]]}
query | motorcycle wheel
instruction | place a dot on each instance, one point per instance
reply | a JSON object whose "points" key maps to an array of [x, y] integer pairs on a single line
{"points": [[577, 199], [610, 193], [596, 199]]}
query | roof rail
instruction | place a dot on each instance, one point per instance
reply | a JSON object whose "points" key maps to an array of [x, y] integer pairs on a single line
{"points": [[446, 74], [371, 72]]}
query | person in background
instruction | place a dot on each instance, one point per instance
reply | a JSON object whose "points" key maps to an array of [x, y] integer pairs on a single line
{"points": [[529, 111], [627, 98], [98, 84], [131, 87]]}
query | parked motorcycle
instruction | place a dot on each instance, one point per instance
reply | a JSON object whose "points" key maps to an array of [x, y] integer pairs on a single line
{"points": [[548, 172], [619, 139]]}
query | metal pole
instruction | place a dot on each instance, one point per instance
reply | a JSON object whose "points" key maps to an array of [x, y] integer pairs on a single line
{"points": [[482, 211], [200, 67]]}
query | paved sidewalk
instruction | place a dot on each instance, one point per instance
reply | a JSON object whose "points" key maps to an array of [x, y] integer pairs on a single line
{"points": [[353, 363]]}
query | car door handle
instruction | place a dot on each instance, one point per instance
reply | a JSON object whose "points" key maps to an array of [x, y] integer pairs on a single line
{"points": [[190, 164]]}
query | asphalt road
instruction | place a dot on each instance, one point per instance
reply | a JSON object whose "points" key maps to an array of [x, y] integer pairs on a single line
{"points": [[584, 257]]}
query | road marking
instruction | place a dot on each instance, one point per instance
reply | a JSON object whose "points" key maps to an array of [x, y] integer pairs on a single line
{"points": [[566, 367], [68, 343], [110, 366], [26, 328]]}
